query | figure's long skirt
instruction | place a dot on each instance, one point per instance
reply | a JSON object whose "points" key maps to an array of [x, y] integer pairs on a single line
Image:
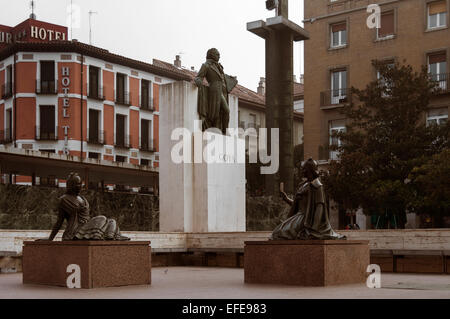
{"points": [[98, 228]]}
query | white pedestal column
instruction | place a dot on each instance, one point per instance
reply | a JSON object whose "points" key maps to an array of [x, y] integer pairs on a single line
{"points": [[202, 196]]}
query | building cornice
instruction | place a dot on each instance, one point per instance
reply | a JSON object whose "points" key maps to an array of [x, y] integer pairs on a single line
{"points": [[89, 50]]}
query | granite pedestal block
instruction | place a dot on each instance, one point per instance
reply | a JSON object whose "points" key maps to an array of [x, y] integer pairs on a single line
{"points": [[306, 263], [102, 263]]}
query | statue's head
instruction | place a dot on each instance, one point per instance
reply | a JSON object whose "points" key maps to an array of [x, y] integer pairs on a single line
{"points": [[213, 54], [311, 169], [74, 184]]}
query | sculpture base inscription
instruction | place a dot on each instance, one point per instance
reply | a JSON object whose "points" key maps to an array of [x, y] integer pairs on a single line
{"points": [[306, 262], [101, 263]]}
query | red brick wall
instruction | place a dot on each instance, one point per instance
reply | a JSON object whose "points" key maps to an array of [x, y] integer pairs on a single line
{"points": [[26, 77], [134, 128], [108, 85], [134, 91], [108, 124], [25, 118]]}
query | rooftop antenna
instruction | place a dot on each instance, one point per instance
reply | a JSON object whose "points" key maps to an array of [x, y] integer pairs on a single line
{"points": [[90, 25], [32, 6]]}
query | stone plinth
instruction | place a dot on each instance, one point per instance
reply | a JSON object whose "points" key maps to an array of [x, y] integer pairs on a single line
{"points": [[102, 263], [196, 195], [306, 263]]}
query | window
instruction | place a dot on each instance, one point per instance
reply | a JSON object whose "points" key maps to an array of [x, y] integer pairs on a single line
{"points": [[121, 159], [46, 130], [339, 35], [95, 90], [121, 94], [299, 106], [437, 117], [121, 138], [383, 80], [146, 99], [146, 140], [387, 29], [94, 155], [338, 86], [47, 84], [252, 123], [437, 14], [336, 127], [6, 135], [94, 134], [7, 87], [437, 67], [146, 162]]}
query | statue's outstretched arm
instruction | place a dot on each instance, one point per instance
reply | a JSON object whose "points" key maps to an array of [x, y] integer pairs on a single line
{"points": [[286, 198], [57, 225]]}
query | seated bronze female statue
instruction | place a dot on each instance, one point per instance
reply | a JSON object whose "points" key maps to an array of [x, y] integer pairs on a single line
{"points": [[74, 208], [308, 218]]}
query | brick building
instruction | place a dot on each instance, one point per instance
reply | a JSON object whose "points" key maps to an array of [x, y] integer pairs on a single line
{"points": [[340, 52], [74, 99]]}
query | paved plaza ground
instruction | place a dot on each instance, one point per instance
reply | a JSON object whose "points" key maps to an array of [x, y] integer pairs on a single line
{"points": [[226, 283]]}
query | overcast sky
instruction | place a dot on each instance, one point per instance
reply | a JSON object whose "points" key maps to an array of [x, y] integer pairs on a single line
{"points": [[161, 29]]}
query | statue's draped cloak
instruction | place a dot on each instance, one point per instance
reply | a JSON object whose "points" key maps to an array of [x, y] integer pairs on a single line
{"points": [[75, 209], [310, 218], [212, 97]]}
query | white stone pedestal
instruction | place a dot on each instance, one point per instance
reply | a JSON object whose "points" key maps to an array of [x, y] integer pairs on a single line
{"points": [[196, 195]]}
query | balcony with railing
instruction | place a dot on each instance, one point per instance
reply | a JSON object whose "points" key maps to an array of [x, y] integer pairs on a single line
{"points": [[147, 145], [123, 98], [96, 93], [335, 98], [5, 136], [147, 103], [46, 87], [442, 82], [45, 134], [96, 137], [123, 141], [7, 90]]}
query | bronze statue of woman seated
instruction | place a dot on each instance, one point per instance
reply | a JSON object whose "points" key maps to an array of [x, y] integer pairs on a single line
{"points": [[74, 208], [308, 218]]}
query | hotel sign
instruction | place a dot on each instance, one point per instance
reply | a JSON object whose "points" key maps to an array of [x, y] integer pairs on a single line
{"points": [[65, 81], [31, 33]]}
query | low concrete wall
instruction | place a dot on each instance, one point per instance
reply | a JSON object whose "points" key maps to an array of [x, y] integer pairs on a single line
{"points": [[419, 239]]}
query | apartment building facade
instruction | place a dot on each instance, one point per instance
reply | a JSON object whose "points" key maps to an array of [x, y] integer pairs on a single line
{"points": [[341, 49], [70, 98]]}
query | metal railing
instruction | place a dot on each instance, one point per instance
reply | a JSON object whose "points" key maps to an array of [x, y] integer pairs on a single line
{"points": [[7, 90], [96, 93], [442, 82], [124, 98], [46, 87], [43, 134], [123, 141], [96, 137], [5, 136], [147, 145], [147, 103], [335, 97]]}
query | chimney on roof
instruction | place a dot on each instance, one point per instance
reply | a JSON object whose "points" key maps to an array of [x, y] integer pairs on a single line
{"points": [[177, 61], [302, 78], [262, 86]]}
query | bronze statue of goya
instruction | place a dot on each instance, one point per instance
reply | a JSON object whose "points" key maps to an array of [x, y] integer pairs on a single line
{"points": [[308, 218], [213, 107], [74, 208]]}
